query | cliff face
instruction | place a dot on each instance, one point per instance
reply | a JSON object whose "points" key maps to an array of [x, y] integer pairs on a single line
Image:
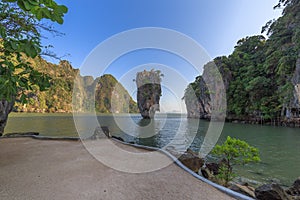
{"points": [[112, 97], [58, 98], [199, 94], [295, 101], [207, 94], [149, 92], [197, 100], [261, 77]]}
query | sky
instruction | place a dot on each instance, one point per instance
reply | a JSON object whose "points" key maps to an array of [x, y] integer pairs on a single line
{"points": [[215, 25]]}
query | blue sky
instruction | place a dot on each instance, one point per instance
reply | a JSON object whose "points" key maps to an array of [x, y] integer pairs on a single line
{"points": [[215, 24]]}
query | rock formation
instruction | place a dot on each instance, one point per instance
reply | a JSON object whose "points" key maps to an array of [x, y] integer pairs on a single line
{"points": [[295, 100], [294, 190], [243, 189], [271, 192], [261, 76], [104, 94], [149, 92], [206, 95], [274, 191], [112, 97], [58, 98], [191, 160], [207, 87], [197, 100]]}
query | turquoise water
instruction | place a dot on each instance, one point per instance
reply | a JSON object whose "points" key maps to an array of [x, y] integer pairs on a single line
{"points": [[279, 146]]}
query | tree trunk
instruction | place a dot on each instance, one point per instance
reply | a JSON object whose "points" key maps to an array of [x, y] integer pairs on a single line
{"points": [[5, 109]]}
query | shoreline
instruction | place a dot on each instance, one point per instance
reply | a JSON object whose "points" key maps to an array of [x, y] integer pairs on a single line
{"points": [[25, 161], [291, 123]]}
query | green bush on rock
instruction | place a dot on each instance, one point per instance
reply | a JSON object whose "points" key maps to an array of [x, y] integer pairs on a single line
{"points": [[234, 152]]}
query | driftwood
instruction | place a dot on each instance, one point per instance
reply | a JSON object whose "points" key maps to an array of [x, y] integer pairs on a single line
{"points": [[36, 135], [20, 134]]}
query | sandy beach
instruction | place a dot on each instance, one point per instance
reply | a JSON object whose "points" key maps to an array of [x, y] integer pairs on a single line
{"points": [[43, 169]]}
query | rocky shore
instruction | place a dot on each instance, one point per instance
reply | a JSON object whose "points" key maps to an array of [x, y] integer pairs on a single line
{"points": [[210, 170]]}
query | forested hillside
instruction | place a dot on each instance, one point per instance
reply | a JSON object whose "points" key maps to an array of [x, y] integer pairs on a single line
{"points": [[262, 75], [58, 98]]}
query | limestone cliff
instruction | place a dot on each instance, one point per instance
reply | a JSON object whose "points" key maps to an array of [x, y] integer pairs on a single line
{"points": [[149, 92], [261, 76], [197, 100], [104, 94], [112, 97], [206, 95], [295, 101], [58, 98], [199, 95]]}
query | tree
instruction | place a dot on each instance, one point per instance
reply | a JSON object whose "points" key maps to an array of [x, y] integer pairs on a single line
{"points": [[20, 34], [234, 152]]}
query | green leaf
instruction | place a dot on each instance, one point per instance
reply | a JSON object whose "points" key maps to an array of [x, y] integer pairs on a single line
{"points": [[33, 2], [21, 4], [3, 32], [62, 9], [14, 45], [58, 19], [39, 14], [46, 13], [27, 5], [23, 98], [30, 50], [9, 0]]}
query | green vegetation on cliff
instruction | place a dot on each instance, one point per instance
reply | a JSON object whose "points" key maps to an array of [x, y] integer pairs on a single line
{"points": [[261, 74], [58, 98], [111, 96]]}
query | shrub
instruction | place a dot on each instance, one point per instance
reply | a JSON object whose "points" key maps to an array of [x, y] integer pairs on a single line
{"points": [[234, 152]]}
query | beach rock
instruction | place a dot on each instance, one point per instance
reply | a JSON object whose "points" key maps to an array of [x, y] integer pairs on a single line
{"points": [[206, 173], [100, 132], [191, 160], [213, 168], [243, 181], [106, 131], [294, 190], [210, 170], [118, 138], [271, 192], [243, 189]]}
